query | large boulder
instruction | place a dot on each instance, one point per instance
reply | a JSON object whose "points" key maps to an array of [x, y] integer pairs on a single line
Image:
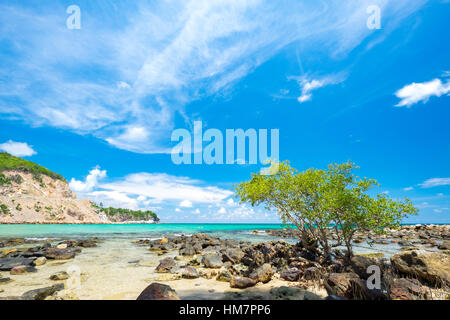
{"points": [[190, 273], [224, 275], [407, 289], [6, 264], [360, 264], [188, 250], [165, 265], [291, 274], [22, 270], [242, 282], [158, 291], [233, 255], [347, 285], [262, 274], [42, 293], [430, 267], [61, 254], [212, 261]]}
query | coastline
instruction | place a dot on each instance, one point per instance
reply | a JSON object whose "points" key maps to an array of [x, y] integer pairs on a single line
{"points": [[198, 265]]}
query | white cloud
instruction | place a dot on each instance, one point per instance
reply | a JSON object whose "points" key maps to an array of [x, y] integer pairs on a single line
{"points": [[309, 85], [421, 92], [123, 85], [144, 190], [435, 182], [408, 189], [197, 211], [186, 204], [231, 203], [222, 210], [18, 149], [90, 183], [154, 59]]}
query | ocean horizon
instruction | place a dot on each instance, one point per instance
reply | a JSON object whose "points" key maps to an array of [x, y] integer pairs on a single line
{"points": [[130, 230]]}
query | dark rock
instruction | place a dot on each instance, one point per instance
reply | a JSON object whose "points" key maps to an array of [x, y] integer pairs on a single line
{"points": [[224, 275], [242, 282], [158, 291], [22, 270], [312, 273], [6, 264], [407, 289], [233, 255], [190, 273], [62, 275], [165, 265], [5, 280], [61, 254], [342, 284], [263, 273], [360, 264], [187, 251], [430, 267], [212, 261], [42, 293], [87, 243], [291, 274]]}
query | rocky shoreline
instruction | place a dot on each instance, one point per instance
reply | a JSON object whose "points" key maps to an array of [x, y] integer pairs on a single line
{"points": [[265, 270]]}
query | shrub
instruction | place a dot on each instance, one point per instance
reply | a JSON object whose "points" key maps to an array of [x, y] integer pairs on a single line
{"points": [[316, 200], [4, 208]]}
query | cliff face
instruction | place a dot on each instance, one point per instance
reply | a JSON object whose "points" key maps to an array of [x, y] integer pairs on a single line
{"points": [[25, 199]]}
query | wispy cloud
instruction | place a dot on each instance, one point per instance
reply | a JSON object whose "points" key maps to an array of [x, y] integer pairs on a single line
{"points": [[435, 182], [421, 92], [18, 149], [132, 66], [308, 85], [143, 190]]}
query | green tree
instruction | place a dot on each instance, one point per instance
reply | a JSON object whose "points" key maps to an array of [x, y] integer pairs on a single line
{"points": [[317, 201]]}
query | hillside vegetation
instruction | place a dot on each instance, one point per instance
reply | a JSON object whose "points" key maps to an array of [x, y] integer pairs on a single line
{"points": [[10, 163], [127, 214]]}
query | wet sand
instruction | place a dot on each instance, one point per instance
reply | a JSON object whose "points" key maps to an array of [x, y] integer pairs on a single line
{"points": [[118, 269]]}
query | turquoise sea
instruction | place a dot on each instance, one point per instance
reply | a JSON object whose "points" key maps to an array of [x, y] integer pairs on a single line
{"points": [[236, 231]]}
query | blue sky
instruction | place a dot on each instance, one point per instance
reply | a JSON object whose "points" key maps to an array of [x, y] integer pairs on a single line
{"points": [[98, 104]]}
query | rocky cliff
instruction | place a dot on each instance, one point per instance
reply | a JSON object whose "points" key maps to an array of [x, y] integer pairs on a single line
{"points": [[30, 193], [25, 199]]}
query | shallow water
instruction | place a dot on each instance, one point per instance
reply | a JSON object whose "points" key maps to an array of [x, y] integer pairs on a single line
{"points": [[126, 230], [120, 269]]}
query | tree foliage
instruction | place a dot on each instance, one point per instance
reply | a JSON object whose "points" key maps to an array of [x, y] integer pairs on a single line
{"points": [[317, 200], [127, 213], [9, 163]]}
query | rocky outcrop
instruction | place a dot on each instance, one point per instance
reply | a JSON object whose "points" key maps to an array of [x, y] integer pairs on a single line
{"points": [[48, 200], [430, 267], [262, 274], [158, 291], [408, 289], [242, 282]]}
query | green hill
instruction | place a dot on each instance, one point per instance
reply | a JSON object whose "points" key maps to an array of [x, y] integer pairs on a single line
{"points": [[119, 214], [9, 163]]}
